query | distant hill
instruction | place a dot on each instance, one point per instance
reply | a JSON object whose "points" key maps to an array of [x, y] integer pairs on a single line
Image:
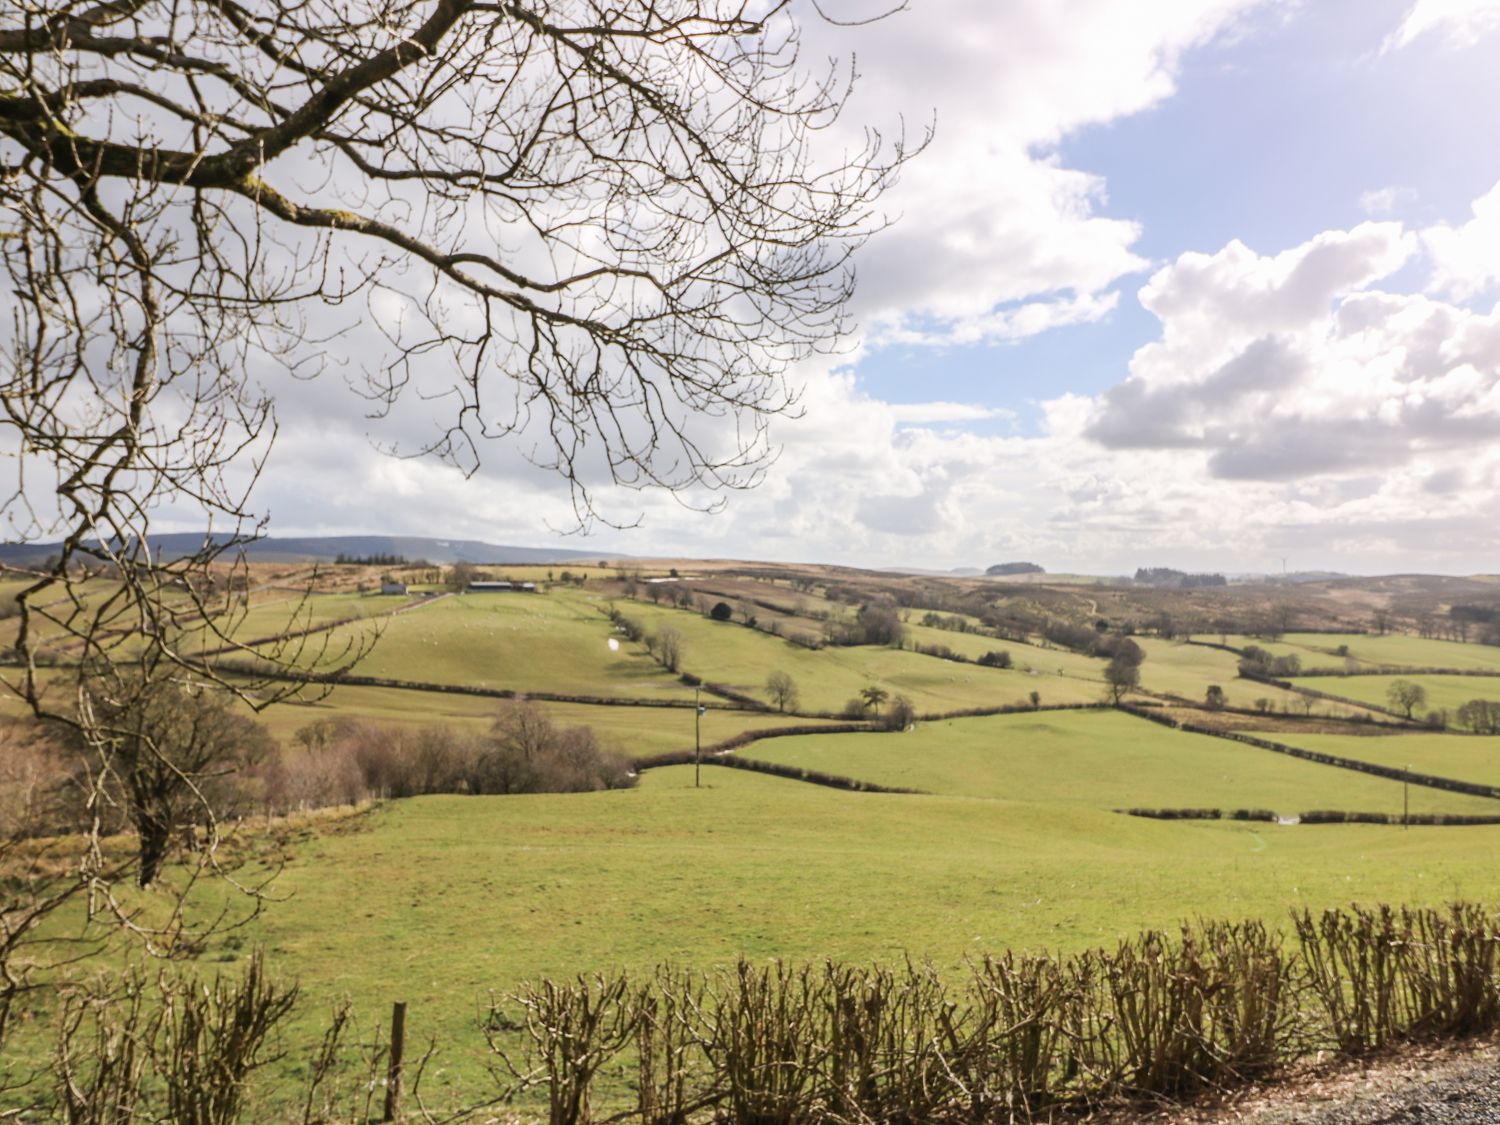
{"points": [[327, 548], [1006, 570]]}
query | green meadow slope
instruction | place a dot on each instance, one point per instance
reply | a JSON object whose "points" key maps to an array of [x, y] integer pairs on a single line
{"points": [[442, 900], [1102, 760]]}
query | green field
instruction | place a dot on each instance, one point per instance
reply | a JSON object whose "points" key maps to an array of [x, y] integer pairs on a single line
{"points": [[1400, 650], [1187, 671], [274, 612], [828, 678], [522, 642], [1100, 759], [1443, 692], [632, 730], [442, 899], [1466, 758]]}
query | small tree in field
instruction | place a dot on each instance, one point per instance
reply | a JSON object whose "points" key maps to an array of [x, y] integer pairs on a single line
{"points": [[1036, 699], [460, 576], [1122, 674], [873, 697], [722, 611], [1406, 696], [162, 747], [783, 690], [669, 648], [901, 714], [1215, 697]]}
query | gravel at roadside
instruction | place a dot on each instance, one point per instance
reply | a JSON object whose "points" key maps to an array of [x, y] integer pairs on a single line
{"points": [[1453, 1085]]}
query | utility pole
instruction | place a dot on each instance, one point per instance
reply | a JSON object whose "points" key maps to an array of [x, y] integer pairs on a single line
{"points": [[697, 740], [1405, 799]]}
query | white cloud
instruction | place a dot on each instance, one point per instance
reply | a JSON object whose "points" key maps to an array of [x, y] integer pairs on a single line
{"points": [[1288, 403], [1289, 406], [1466, 259], [996, 238], [1385, 201], [929, 413], [1462, 23], [1289, 367]]}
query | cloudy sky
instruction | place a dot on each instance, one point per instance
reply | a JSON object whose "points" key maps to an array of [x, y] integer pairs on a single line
{"points": [[1202, 283]]}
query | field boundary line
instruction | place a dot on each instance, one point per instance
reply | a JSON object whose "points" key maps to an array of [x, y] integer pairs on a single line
{"points": [[730, 760], [1430, 781], [351, 679], [325, 627]]}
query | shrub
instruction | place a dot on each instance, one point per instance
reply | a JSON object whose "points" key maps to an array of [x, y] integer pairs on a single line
{"points": [[722, 611], [899, 714], [877, 623], [996, 658], [1482, 716]]}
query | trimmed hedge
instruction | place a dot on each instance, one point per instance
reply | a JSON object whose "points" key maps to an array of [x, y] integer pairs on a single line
{"points": [[775, 769], [354, 680], [1341, 816], [1202, 814]]}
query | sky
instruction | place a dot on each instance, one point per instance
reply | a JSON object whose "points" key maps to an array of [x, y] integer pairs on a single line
{"points": [[1198, 283]]}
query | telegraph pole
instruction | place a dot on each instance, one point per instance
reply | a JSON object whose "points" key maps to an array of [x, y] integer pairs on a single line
{"points": [[697, 741]]}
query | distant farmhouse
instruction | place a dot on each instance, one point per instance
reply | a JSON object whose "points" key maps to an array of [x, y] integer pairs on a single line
{"points": [[391, 586], [500, 587]]}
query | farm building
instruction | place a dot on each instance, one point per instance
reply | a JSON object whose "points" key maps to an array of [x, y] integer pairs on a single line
{"points": [[501, 587], [391, 586]]}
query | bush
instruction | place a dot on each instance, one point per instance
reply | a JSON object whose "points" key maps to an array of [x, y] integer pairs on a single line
{"points": [[877, 624], [899, 714], [996, 658], [1482, 716], [345, 762], [722, 611]]}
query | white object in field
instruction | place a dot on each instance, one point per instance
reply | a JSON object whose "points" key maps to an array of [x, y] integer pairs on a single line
{"points": [[614, 645]]}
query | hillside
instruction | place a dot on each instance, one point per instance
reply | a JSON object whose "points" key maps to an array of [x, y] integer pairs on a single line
{"points": [[327, 548]]}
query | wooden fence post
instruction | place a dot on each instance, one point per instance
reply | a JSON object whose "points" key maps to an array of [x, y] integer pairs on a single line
{"points": [[398, 1049]]}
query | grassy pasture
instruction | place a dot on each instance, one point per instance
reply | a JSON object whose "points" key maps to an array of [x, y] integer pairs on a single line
{"points": [[1443, 692], [441, 900], [274, 612], [1059, 661], [633, 730], [1102, 760], [742, 659], [1397, 649], [1187, 671], [524, 642], [1467, 758]]}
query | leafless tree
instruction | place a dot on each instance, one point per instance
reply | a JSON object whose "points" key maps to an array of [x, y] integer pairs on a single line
{"points": [[165, 750], [782, 689], [600, 220], [599, 229], [668, 648], [1406, 696], [1122, 675]]}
